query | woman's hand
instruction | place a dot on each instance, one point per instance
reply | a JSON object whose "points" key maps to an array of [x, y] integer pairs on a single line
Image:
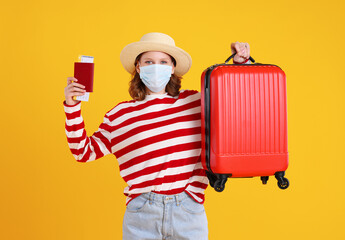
{"points": [[242, 50], [73, 89]]}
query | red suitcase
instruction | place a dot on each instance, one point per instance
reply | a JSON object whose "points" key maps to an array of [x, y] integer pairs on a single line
{"points": [[244, 122]]}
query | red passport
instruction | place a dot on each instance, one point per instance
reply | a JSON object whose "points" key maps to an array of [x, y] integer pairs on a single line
{"points": [[84, 73]]}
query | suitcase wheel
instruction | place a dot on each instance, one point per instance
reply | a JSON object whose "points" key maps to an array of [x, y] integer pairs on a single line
{"points": [[283, 183], [219, 184], [217, 181], [264, 179]]}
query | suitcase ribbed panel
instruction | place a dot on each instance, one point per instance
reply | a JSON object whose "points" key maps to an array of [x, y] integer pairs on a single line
{"points": [[248, 115], [253, 107]]}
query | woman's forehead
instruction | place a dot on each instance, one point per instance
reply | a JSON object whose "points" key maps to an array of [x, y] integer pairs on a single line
{"points": [[155, 54]]}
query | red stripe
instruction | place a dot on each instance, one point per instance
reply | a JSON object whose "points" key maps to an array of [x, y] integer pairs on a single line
{"points": [[74, 127], [105, 127], [159, 153], [161, 167], [187, 93], [199, 185], [104, 140], [86, 156], [152, 115], [73, 115], [80, 150], [96, 148], [199, 172], [139, 129], [153, 102], [162, 180], [157, 138]]}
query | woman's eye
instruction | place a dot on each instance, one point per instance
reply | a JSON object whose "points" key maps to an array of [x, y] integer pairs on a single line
{"points": [[150, 62]]}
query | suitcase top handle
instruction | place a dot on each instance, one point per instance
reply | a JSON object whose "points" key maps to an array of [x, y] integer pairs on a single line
{"points": [[229, 58]]}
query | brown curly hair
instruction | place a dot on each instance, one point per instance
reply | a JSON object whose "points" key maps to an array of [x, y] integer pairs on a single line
{"points": [[137, 88]]}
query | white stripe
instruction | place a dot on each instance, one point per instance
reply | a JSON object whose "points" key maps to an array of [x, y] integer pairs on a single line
{"points": [[159, 145], [77, 145], [74, 134], [74, 121], [101, 145], [153, 108], [195, 189], [159, 160], [197, 178], [195, 196], [155, 131], [75, 156], [162, 174], [72, 109]]}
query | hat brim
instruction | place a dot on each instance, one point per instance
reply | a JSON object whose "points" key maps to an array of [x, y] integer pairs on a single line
{"points": [[132, 50]]}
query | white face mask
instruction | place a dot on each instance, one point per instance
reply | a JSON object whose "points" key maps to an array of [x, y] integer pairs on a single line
{"points": [[155, 76]]}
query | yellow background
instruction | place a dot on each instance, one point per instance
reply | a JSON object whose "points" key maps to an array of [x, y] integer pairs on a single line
{"points": [[46, 194]]}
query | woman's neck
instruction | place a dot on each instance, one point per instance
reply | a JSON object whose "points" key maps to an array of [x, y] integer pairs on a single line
{"points": [[155, 93]]}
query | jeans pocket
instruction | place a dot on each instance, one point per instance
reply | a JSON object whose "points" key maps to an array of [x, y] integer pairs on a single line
{"points": [[137, 204], [189, 205]]}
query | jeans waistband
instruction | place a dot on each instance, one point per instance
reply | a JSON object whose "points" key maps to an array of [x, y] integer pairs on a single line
{"points": [[162, 198]]}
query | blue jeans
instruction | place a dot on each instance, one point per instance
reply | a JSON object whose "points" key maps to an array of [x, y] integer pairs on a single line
{"points": [[153, 216]]}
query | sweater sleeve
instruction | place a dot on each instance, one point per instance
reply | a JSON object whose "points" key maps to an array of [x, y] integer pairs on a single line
{"points": [[84, 148]]}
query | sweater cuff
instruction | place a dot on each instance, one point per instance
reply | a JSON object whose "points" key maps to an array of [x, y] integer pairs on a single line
{"points": [[71, 108]]}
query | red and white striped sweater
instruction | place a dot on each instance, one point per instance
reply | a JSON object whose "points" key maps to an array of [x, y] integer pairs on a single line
{"points": [[157, 143]]}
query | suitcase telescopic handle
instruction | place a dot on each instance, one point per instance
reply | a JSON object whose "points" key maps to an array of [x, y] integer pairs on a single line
{"points": [[233, 55]]}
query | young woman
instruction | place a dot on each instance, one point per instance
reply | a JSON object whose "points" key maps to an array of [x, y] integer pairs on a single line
{"points": [[156, 138]]}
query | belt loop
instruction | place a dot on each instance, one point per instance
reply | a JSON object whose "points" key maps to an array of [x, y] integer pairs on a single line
{"points": [[177, 200], [150, 198]]}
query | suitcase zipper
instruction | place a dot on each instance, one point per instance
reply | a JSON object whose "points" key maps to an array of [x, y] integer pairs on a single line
{"points": [[207, 117]]}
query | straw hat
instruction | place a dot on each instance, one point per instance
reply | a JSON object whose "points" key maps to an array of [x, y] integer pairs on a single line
{"points": [[156, 42]]}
